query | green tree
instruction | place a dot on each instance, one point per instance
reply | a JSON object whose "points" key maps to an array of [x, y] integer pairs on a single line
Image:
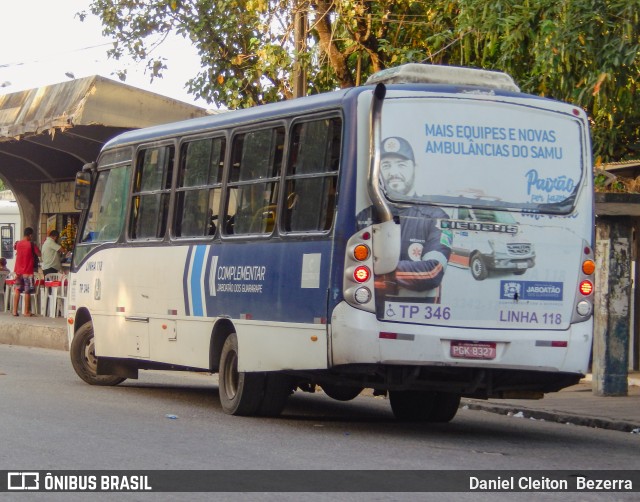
{"points": [[583, 51], [586, 52], [246, 47]]}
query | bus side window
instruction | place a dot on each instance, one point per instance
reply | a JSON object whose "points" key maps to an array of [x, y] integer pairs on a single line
{"points": [[198, 190], [253, 183], [312, 175], [152, 183]]}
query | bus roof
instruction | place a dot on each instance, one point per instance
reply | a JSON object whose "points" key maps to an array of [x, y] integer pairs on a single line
{"points": [[273, 111], [243, 116], [439, 74]]}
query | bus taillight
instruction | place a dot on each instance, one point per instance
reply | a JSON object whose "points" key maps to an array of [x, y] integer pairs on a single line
{"points": [[586, 288], [361, 274]]}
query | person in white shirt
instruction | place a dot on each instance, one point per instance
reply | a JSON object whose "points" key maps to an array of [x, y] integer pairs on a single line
{"points": [[51, 254]]}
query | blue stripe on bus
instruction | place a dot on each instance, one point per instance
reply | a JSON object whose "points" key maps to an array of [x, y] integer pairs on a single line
{"points": [[185, 281], [196, 280]]}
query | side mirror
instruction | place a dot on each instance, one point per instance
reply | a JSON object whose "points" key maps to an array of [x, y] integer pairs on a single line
{"points": [[82, 190]]}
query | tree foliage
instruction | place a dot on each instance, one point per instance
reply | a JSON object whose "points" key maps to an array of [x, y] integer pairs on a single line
{"points": [[583, 51]]}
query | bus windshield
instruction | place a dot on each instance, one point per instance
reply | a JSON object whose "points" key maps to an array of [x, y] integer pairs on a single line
{"points": [[480, 153], [106, 215]]}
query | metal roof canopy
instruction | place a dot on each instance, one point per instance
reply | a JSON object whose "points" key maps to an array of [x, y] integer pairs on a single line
{"points": [[48, 133]]}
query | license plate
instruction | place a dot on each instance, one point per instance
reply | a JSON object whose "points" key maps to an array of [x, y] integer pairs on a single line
{"points": [[521, 265], [473, 350]]}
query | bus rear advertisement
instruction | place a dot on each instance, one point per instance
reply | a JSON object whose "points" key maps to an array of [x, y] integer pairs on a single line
{"points": [[428, 235]]}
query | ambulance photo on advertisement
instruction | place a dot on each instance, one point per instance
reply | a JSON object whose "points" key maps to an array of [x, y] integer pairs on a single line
{"points": [[487, 241]]}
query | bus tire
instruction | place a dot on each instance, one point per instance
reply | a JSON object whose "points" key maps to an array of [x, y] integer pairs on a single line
{"points": [[84, 361], [478, 268], [277, 389], [445, 407], [341, 392], [412, 405], [240, 393]]}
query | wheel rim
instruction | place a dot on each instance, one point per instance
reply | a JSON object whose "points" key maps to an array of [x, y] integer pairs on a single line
{"points": [[90, 356], [476, 267], [231, 376]]}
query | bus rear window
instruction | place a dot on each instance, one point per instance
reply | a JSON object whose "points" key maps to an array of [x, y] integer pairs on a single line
{"points": [[481, 153]]}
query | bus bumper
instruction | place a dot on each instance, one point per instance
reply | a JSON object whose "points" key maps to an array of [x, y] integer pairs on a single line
{"points": [[358, 337]]}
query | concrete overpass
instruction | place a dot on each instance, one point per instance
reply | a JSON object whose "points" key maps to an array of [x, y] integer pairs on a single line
{"points": [[48, 133]]}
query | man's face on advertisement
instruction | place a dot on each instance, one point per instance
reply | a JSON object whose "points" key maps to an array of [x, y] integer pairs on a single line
{"points": [[398, 173]]}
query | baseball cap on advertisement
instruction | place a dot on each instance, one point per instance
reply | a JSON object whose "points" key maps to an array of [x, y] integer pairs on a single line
{"points": [[398, 147]]}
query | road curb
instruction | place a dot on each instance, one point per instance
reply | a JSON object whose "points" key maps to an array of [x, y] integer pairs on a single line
{"points": [[32, 335], [551, 416]]}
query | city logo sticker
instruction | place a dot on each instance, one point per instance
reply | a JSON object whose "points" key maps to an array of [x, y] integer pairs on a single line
{"points": [[531, 290], [510, 290]]}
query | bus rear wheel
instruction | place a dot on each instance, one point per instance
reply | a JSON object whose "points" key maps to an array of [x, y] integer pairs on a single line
{"points": [[445, 407], [277, 389], [84, 360], [411, 405], [240, 393]]}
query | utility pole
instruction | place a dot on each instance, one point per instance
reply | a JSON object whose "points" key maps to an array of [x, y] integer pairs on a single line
{"points": [[612, 306], [300, 45]]}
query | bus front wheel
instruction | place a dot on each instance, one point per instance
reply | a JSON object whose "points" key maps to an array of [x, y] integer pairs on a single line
{"points": [[240, 393], [84, 360]]}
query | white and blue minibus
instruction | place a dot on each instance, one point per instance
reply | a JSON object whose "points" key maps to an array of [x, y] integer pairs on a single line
{"points": [[428, 235]]}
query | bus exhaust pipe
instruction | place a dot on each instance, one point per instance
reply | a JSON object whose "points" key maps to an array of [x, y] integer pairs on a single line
{"points": [[386, 233], [375, 141]]}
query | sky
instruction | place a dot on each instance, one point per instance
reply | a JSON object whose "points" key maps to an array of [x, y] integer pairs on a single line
{"points": [[42, 40]]}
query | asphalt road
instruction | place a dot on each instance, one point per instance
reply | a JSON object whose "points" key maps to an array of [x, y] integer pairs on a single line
{"points": [[50, 419]]}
